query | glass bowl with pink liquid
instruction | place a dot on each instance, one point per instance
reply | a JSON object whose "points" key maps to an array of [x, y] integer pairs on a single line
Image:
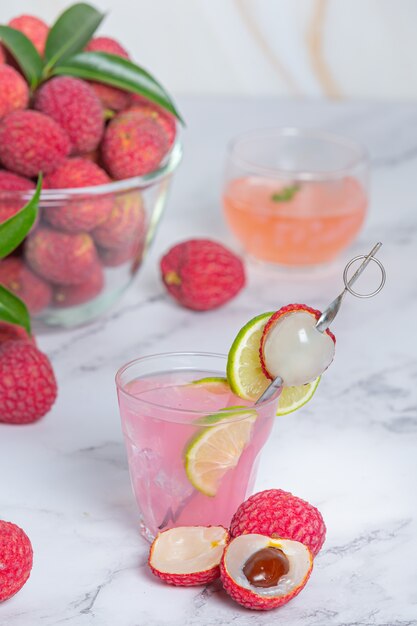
{"points": [[295, 197], [169, 404]]}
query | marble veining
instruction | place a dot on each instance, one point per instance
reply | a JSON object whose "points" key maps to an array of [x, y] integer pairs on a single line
{"points": [[352, 451]]}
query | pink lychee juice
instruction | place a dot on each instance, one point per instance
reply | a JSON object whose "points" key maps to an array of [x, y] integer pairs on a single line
{"points": [[161, 414]]}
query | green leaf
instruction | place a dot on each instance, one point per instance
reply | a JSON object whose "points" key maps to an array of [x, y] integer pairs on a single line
{"points": [[286, 194], [70, 33], [13, 310], [15, 229], [24, 53], [118, 72]]}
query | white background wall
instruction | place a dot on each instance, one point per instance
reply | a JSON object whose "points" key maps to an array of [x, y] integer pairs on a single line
{"points": [[334, 48]]}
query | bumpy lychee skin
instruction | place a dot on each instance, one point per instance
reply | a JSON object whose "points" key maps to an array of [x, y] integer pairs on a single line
{"points": [[125, 223], [14, 92], [31, 142], [78, 215], [116, 257], [72, 103], [28, 387], [202, 274], [285, 310], [150, 110], [16, 558], [10, 182], [264, 597], [61, 258], [278, 513], [15, 276], [132, 145], [73, 295], [188, 555], [110, 97], [35, 29]]}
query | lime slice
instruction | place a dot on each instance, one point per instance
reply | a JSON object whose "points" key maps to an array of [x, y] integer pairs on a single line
{"points": [[217, 449], [244, 371], [214, 384], [292, 398]]}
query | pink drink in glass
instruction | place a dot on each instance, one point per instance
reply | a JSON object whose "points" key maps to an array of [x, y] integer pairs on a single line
{"points": [[161, 414]]}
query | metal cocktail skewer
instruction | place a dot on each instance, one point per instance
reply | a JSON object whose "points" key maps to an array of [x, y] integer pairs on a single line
{"points": [[328, 315]]}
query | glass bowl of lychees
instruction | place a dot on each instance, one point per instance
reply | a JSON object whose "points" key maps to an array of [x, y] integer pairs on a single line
{"points": [[103, 134]]}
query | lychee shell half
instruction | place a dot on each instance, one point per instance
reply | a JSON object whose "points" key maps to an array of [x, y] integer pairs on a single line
{"points": [[278, 513], [235, 583], [285, 310], [188, 555]]}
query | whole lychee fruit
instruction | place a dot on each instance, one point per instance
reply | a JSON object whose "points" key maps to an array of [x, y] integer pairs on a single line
{"points": [[188, 555], [14, 92], [125, 223], [202, 274], [75, 215], [278, 513], [15, 276], [35, 29], [16, 559], [9, 183], [110, 97], [61, 258], [27, 383], [263, 573], [150, 110], [31, 142], [132, 145], [72, 103], [73, 295], [116, 257]]}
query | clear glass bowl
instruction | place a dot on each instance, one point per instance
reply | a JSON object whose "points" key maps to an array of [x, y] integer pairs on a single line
{"points": [[69, 273], [295, 197]]}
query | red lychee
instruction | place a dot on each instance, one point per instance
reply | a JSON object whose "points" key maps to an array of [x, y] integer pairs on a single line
{"points": [[61, 258], [125, 223], [77, 215], [106, 44], [35, 29], [278, 513], [150, 110], [14, 92], [73, 295], [263, 573], [116, 257], [14, 332], [110, 97], [72, 103], [202, 274], [9, 183], [27, 383], [133, 145], [31, 142], [16, 558], [15, 276]]}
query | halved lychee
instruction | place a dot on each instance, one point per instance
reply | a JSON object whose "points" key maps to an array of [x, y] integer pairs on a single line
{"points": [[263, 573], [291, 346], [188, 555]]}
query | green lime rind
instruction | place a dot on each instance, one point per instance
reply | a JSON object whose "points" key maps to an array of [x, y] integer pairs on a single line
{"points": [[287, 409], [203, 436], [238, 344], [227, 414], [209, 380]]}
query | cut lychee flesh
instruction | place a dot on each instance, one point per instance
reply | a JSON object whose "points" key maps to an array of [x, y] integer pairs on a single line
{"points": [[188, 555], [292, 347], [263, 573]]}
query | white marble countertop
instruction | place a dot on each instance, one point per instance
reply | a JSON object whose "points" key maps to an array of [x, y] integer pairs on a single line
{"points": [[352, 451]]}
